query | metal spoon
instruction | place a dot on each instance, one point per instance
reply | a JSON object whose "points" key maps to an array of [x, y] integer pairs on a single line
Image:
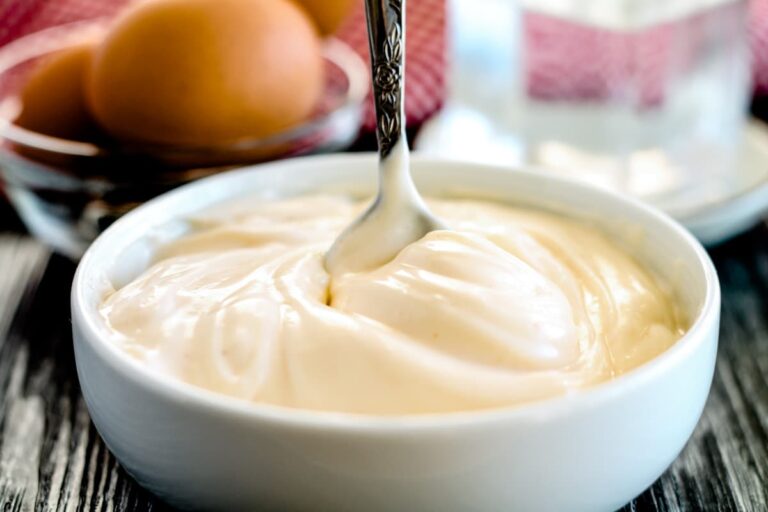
{"points": [[398, 216]]}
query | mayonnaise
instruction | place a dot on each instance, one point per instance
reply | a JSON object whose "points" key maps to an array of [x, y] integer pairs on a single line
{"points": [[510, 306]]}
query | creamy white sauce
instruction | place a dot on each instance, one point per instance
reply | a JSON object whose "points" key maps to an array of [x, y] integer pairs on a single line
{"points": [[510, 306]]}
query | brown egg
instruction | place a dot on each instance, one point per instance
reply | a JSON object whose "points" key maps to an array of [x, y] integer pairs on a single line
{"points": [[328, 14], [206, 71], [52, 99]]}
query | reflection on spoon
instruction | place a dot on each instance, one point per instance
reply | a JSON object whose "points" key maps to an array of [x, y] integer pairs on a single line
{"points": [[398, 215]]}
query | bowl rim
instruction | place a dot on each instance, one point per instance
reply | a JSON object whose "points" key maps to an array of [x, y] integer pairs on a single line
{"points": [[39, 44], [698, 337]]}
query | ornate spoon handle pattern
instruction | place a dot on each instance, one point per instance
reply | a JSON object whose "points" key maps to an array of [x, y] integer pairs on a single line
{"points": [[386, 36]]}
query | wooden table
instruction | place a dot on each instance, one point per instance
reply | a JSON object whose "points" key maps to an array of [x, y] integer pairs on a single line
{"points": [[51, 458]]}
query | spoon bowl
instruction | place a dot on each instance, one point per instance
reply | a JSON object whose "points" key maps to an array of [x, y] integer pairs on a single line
{"points": [[397, 217]]}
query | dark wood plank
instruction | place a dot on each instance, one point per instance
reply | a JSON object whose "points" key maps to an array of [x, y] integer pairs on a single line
{"points": [[725, 464], [9, 220], [51, 458]]}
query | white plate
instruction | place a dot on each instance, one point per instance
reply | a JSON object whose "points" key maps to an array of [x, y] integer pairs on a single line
{"points": [[745, 203], [724, 211]]}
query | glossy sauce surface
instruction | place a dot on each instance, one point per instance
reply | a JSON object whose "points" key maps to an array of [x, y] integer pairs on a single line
{"points": [[510, 306]]}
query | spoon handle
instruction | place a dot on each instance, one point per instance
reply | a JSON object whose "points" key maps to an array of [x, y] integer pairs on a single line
{"points": [[386, 37]]}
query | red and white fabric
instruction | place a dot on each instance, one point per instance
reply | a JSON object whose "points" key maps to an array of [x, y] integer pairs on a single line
{"points": [[550, 75]]}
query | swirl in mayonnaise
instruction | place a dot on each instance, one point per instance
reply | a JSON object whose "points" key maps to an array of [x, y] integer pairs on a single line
{"points": [[510, 306]]}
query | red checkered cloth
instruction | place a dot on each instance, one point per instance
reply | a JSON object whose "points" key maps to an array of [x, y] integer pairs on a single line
{"points": [[549, 39], [425, 42], [426, 57], [567, 60], [758, 28]]}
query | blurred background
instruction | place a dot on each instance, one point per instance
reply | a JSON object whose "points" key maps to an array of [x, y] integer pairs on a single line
{"points": [[648, 98]]}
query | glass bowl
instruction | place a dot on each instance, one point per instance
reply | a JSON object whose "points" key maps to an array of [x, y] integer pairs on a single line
{"points": [[67, 191]]}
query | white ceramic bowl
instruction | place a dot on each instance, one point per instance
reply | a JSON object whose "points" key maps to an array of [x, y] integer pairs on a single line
{"points": [[592, 451]]}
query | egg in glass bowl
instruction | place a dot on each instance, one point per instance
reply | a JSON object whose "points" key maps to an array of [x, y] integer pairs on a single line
{"points": [[92, 123]]}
